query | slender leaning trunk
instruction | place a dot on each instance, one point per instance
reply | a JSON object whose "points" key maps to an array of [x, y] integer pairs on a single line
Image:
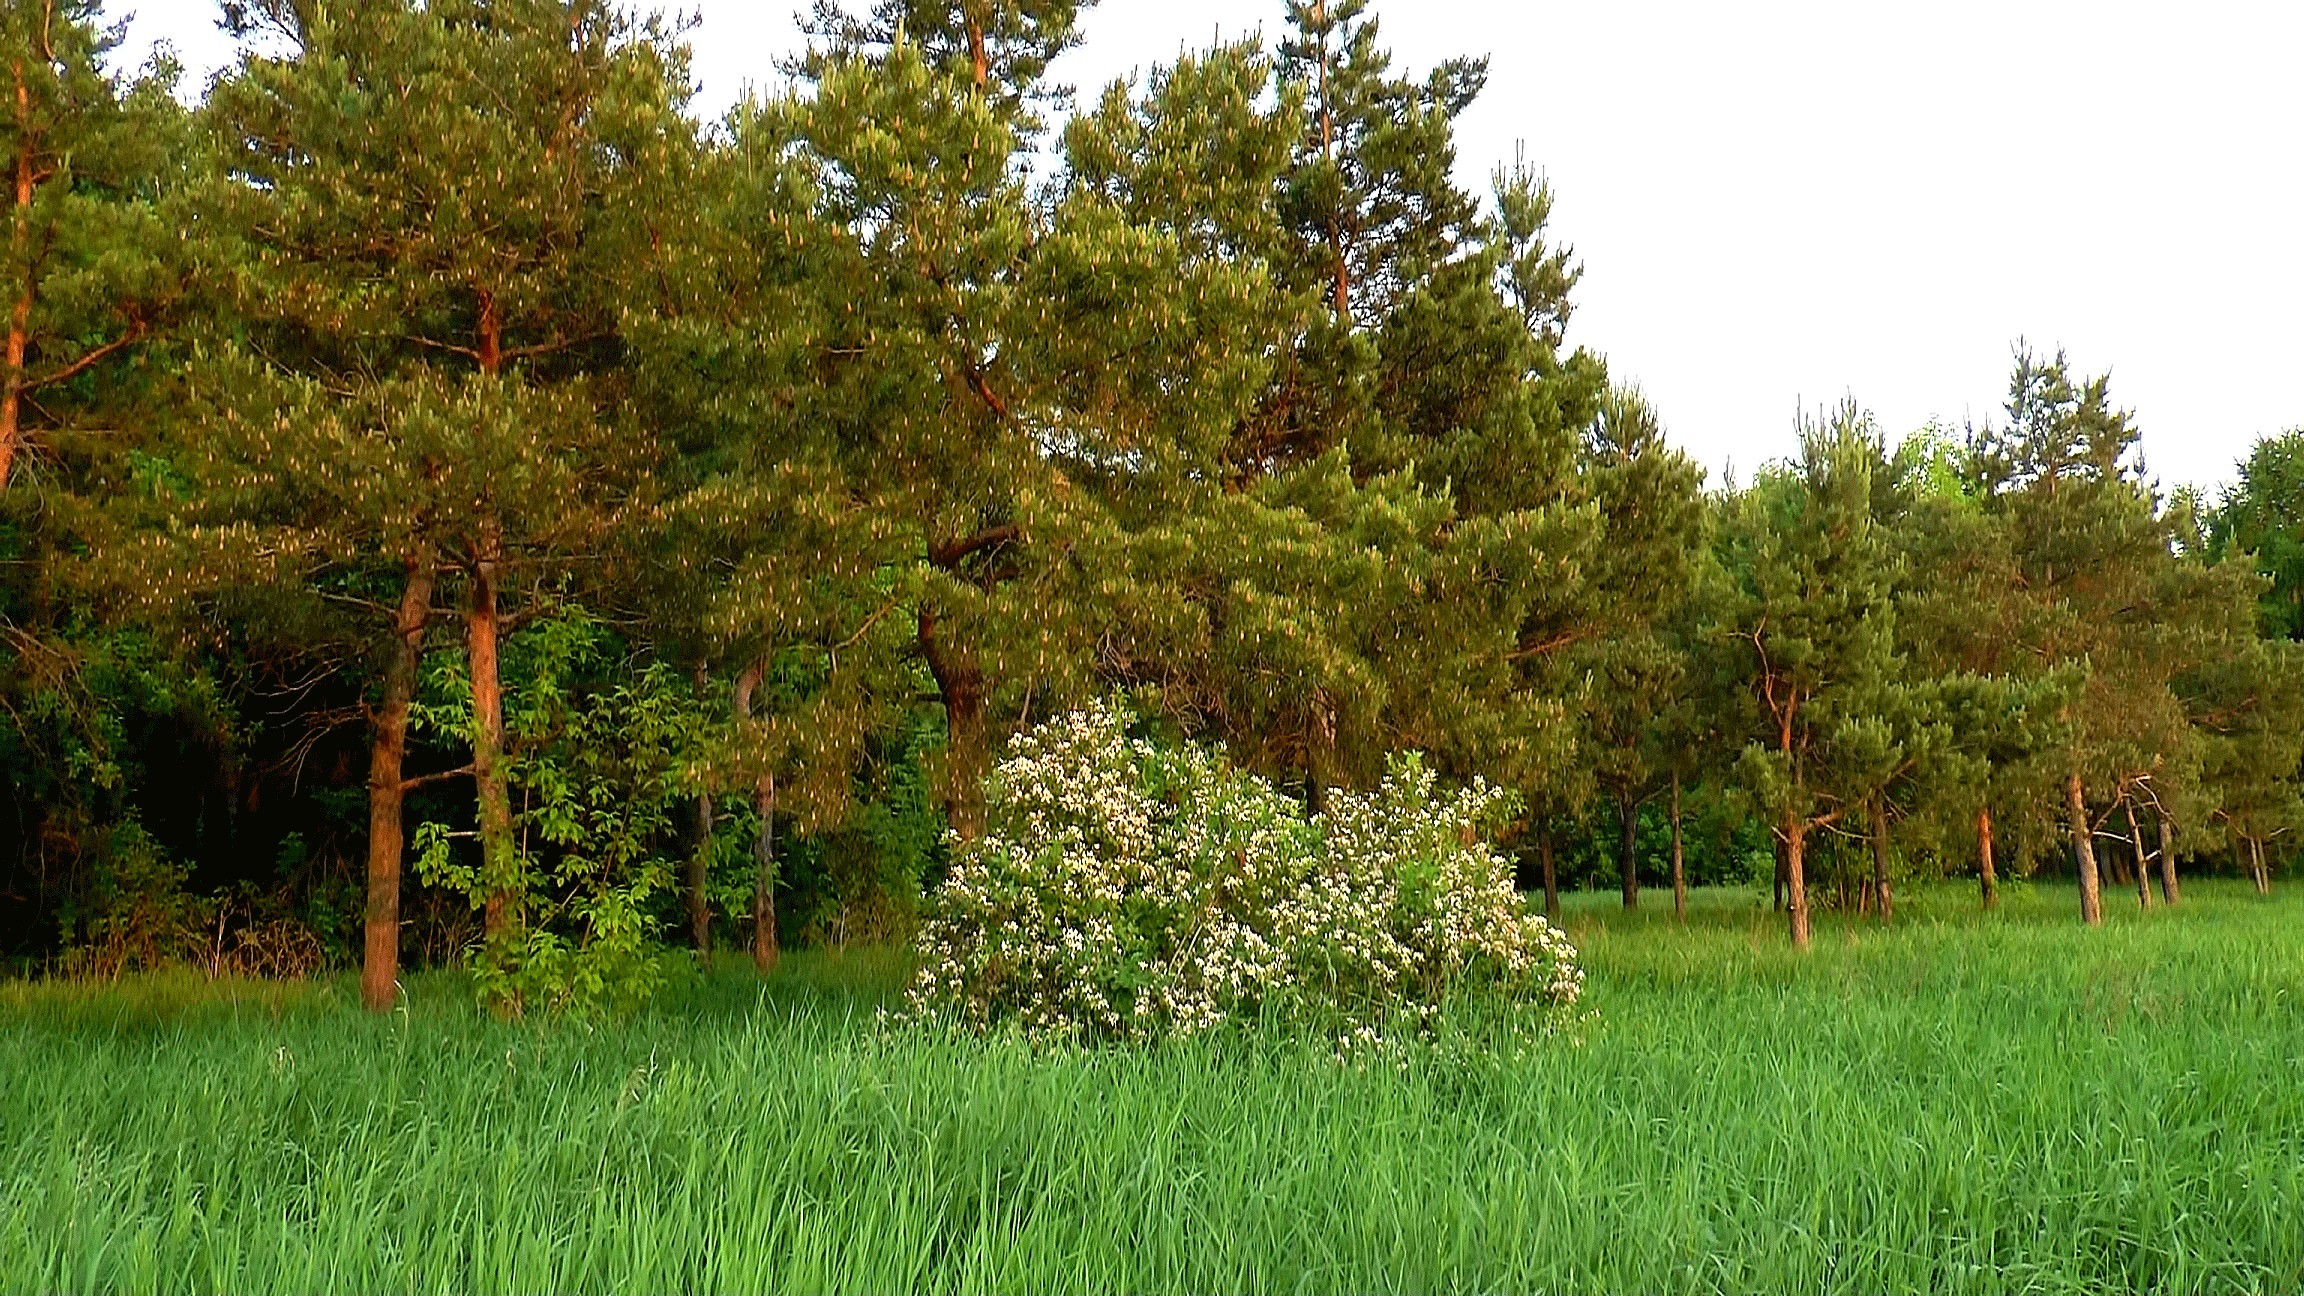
{"points": [[483, 631], [1987, 875], [1679, 859], [1880, 886], [1551, 872], [1796, 876], [2263, 872], [2169, 890], [387, 789], [2084, 852], [2143, 859]]}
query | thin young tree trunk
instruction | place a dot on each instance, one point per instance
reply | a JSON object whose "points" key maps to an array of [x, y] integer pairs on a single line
{"points": [[2143, 858], [1679, 859], [388, 790], [1796, 876], [2169, 890], [960, 681], [764, 948], [483, 629], [2084, 852], [1987, 875], [700, 860], [1628, 859], [2263, 871], [1880, 886], [1551, 873]]}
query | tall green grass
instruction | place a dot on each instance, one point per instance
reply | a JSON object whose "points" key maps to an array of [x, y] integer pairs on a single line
{"points": [[1951, 1104]]}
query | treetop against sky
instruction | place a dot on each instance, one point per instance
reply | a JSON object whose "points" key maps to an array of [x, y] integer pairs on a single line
{"points": [[1783, 204]]}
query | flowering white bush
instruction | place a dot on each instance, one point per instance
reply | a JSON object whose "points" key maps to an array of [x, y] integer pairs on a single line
{"points": [[1127, 891]]}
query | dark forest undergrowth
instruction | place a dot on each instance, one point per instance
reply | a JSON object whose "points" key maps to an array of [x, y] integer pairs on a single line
{"points": [[1954, 1103]]}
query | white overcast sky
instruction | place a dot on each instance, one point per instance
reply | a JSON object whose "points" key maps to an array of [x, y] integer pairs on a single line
{"points": [[1778, 204]]}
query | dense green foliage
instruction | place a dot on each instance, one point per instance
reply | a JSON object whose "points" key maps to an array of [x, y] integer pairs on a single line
{"points": [[1963, 1104], [458, 507]]}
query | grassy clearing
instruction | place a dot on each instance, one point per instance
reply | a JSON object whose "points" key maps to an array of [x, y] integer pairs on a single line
{"points": [[1956, 1104]]}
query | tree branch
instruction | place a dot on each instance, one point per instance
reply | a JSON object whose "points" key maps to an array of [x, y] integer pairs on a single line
{"points": [[952, 553], [135, 334]]}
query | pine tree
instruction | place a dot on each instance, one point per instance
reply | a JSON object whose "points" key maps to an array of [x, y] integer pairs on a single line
{"points": [[444, 214], [88, 253], [1809, 619]]}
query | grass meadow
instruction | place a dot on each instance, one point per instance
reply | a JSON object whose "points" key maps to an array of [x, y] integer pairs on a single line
{"points": [[1956, 1103]]}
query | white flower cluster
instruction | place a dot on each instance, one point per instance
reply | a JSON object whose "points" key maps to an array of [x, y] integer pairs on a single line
{"points": [[1127, 891]]}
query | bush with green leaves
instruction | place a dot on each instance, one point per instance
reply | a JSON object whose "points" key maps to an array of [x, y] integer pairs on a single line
{"points": [[1128, 890], [602, 762]]}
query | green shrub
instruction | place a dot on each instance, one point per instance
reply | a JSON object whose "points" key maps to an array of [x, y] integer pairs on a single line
{"points": [[1127, 891]]}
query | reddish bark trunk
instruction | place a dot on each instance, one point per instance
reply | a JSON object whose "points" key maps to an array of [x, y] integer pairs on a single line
{"points": [[2083, 852], [1796, 876], [1987, 876], [483, 629], [387, 790], [20, 313]]}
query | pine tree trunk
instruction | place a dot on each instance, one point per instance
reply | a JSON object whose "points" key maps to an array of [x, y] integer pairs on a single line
{"points": [[2143, 858], [1628, 859], [483, 629], [387, 789], [2263, 873], [699, 882], [1783, 874], [700, 860], [764, 948], [1551, 873], [1986, 874], [2084, 852], [20, 261], [2169, 890], [1679, 859], [960, 682], [1880, 887], [1796, 876]]}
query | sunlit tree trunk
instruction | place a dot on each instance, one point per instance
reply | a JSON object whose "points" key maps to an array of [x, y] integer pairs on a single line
{"points": [[387, 789], [2083, 852], [1796, 876], [483, 634], [1987, 875]]}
